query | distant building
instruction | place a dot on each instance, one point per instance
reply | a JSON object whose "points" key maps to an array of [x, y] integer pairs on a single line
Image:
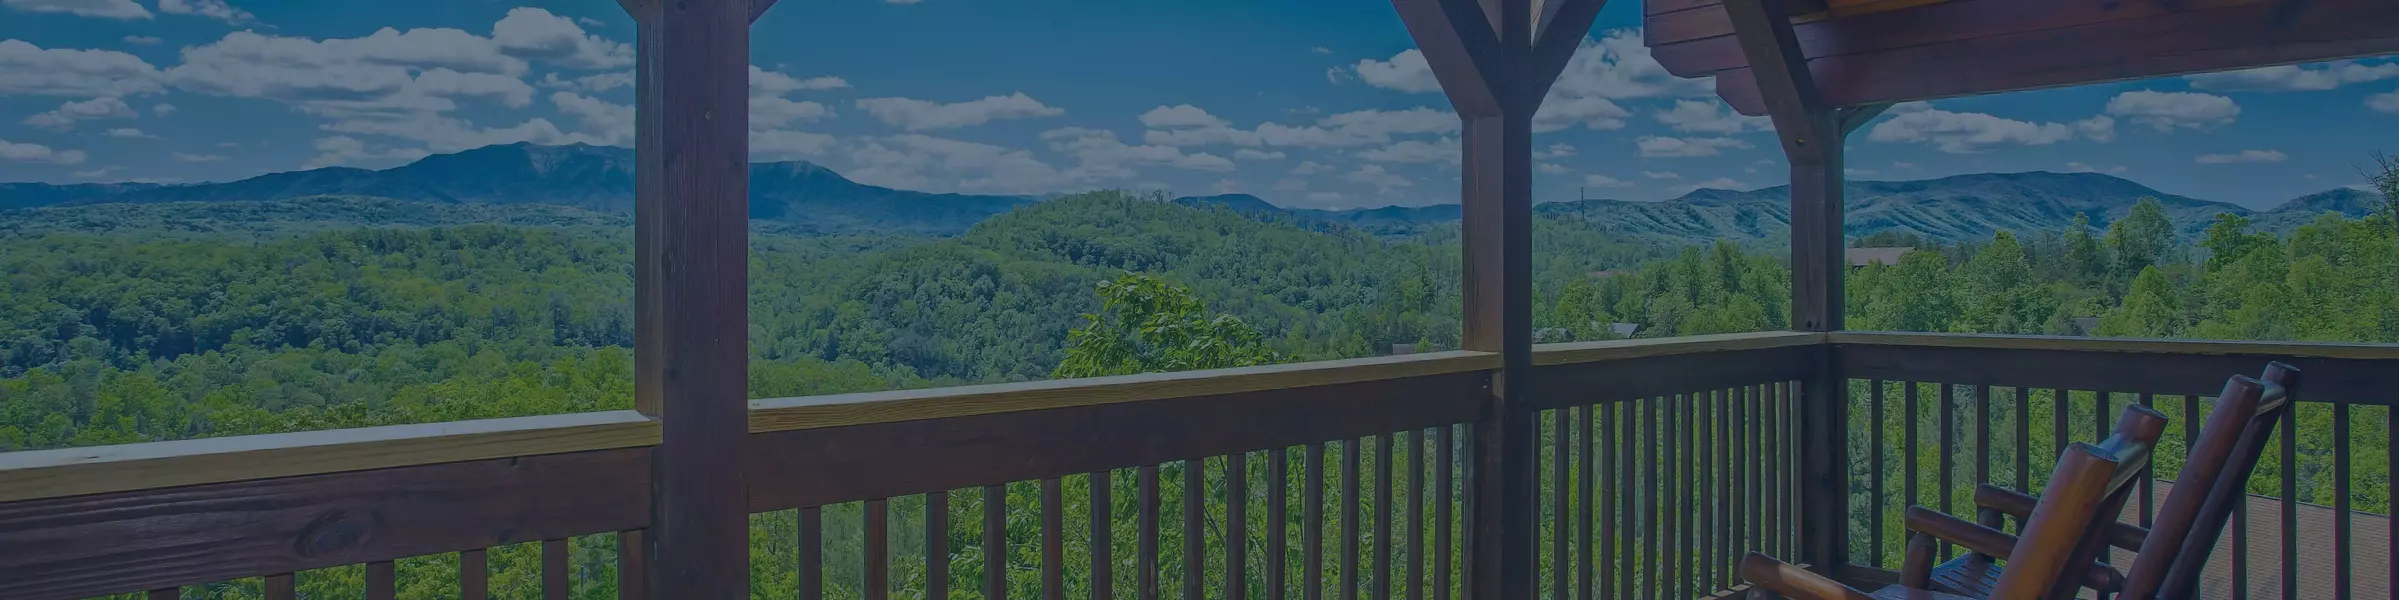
{"points": [[1859, 257], [1624, 330]]}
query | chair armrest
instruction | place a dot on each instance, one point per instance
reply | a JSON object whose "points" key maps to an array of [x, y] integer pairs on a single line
{"points": [[2016, 504], [1794, 582], [1995, 543]]}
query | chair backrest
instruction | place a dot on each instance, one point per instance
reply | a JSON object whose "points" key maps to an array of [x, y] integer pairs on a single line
{"points": [[2212, 482], [2070, 503], [2131, 445]]}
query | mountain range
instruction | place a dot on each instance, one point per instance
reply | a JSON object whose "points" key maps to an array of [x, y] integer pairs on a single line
{"points": [[808, 197]]}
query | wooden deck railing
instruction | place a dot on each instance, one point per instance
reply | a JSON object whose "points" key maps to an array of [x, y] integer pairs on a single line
{"points": [[1932, 416], [1658, 463]]}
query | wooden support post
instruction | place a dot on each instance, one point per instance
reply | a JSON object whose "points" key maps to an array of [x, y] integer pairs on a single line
{"points": [[1495, 60], [691, 288], [1813, 136]]}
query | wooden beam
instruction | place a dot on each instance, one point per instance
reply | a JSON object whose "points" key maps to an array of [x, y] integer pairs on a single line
{"points": [[758, 8], [1857, 117], [1463, 50], [1812, 137], [692, 290], [1698, 42], [1557, 39], [95, 545], [2202, 40]]}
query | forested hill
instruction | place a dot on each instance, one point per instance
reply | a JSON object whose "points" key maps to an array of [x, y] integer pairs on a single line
{"points": [[807, 198]]}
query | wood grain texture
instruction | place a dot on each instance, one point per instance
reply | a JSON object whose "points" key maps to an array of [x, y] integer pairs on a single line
{"points": [[1611, 350], [129, 541], [474, 576], [76, 471], [1699, 41], [841, 410], [1567, 384], [820, 466]]}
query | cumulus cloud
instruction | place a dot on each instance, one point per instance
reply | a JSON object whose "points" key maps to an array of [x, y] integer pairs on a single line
{"points": [[922, 162], [1309, 167], [1248, 154], [1661, 175], [105, 9], [601, 82], [2384, 102], [129, 132], [143, 40], [1180, 116], [1964, 133], [65, 116], [1652, 146], [346, 150], [1719, 183], [2168, 111], [2078, 167], [1701, 116], [920, 115], [2244, 156], [196, 158], [1549, 168], [1102, 156], [1415, 151], [774, 83], [1557, 150], [162, 109], [536, 33], [387, 72], [214, 9], [29, 69], [1618, 65], [31, 152], [607, 123], [1344, 130], [1592, 112], [778, 144], [1596, 180], [2295, 78], [1406, 72], [1374, 175]]}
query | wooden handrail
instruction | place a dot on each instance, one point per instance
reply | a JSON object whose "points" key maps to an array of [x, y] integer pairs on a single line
{"points": [[839, 410], [1582, 352], [2124, 345], [77, 471]]}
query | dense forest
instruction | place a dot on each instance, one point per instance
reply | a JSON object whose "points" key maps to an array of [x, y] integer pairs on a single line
{"points": [[117, 332]]}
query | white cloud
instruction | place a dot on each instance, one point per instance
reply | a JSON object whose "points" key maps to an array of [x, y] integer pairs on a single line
{"points": [[2386, 102], [601, 82], [2295, 78], [162, 109], [1719, 183], [1374, 175], [143, 40], [1661, 175], [780, 144], [1309, 167], [1618, 65], [1962, 133], [197, 158], [2084, 168], [2244, 156], [919, 115], [65, 116], [1672, 147], [1321, 50], [607, 123], [98, 173], [1248, 154], [1180, 116], [536, 33], [1406, 72], [1415, 151], [129, 132], [922, 162], [31, 152], [2168, 111], [2098, 128], [105, 9], [1102, 156], [1596, 180], [772, 83], [1290, 184], [1702, 116], [1344, 130], [1550, 168], [346, 150], [1557, 150], [214, 9], [769, 112], [1592, 112], [388, 75], [29, 69]]}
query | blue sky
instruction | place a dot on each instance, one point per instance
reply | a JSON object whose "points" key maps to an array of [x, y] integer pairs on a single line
{"points": [[1319, 103]]}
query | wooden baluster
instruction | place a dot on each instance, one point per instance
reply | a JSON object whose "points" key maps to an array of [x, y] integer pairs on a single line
{"points": [[877, 549], [1624, 502], [2340, 496], [1415, 514], [937, 545], [811, 553], [1236, 521], [2064, 434], [1278, 489], [2148, 480], [2290, 503], [1558, 476], [1312, 524], [2023, 442], [1053, 540], [280, 587], [1737, 468], [1949, 449], [1982, 434], [1654, 542], [382, 583], [1383, 467], [1444, 454], [1670, 549], [1726, 547], [632, 568], [1588, 468], [995, 542], [1351, 450], [1195, 559], [557, 577], [474, 576], [1874, 473], [1146, 555], [1103, 530]]}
